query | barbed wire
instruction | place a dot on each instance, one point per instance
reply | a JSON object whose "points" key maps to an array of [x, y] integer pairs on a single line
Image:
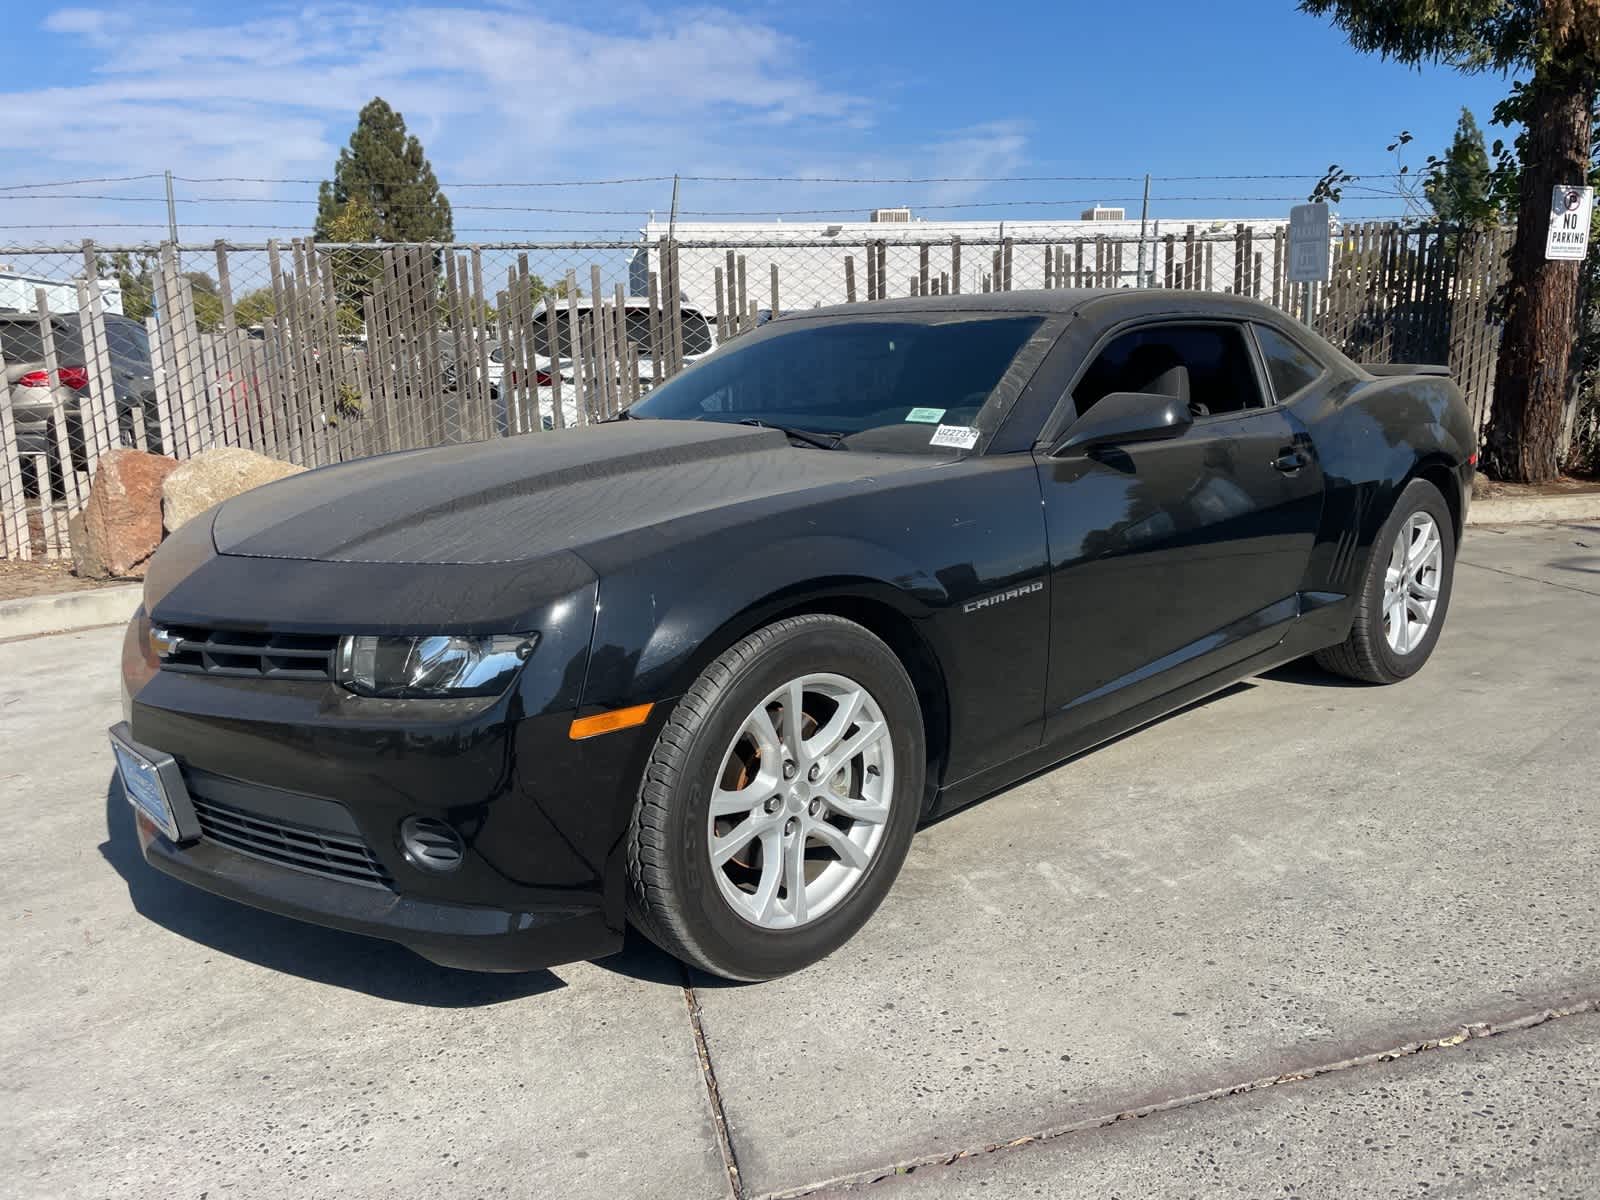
{"points": [[1066, 202], [638, 179], [802, 179], [13, 187]]}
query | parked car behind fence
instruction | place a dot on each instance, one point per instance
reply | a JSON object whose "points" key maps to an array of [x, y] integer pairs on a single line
{"points": [[699, 339], [36, 393]]}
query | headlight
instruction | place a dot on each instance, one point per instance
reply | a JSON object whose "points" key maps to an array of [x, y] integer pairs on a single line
{"points": [[436, 666]]}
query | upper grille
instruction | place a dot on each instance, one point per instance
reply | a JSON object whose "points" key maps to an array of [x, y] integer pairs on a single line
{"points": [[332, 855], [261, 655]]}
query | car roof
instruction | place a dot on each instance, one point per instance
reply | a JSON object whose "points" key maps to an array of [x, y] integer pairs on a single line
{"points": [[17, 316]]}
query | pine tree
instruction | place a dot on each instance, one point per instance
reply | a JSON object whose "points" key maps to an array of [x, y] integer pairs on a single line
{"points": [[1459, 188], [385, 173]]}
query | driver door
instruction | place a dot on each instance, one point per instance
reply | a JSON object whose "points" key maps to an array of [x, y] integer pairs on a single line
{"points": [[1173, 559]]}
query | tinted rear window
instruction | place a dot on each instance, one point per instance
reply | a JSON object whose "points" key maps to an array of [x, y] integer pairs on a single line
{"points": [[885, 383], [696, 331], [20, 342], [1288, 365]]}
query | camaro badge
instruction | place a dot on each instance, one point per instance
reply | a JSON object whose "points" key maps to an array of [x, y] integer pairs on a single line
{"points": [[1001, 597]]}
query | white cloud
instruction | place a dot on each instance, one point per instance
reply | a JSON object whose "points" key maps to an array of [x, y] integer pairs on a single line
{"points": [[496, 95], [989, 150]]}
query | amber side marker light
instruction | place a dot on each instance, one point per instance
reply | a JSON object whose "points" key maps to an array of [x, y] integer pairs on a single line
{"points": [[609, 722]]}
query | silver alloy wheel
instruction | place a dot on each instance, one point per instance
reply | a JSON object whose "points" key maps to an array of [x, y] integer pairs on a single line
{"points": [[1411, 583], [801, 801]]}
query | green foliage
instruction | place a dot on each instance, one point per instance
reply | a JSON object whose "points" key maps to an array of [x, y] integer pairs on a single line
{"points": [[383, 187], [355, 221], [135, 276], [1457, 185], [347, 319], [207, 304], [1471, 35], [254, 308]]}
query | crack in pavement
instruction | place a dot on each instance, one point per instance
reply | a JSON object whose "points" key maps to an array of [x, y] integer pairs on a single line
{"points": [[708, 1075], [857, 1180], [1570, 587]]}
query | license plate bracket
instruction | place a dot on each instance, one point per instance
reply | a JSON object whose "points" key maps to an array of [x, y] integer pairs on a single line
{"points": [[153, 785]]}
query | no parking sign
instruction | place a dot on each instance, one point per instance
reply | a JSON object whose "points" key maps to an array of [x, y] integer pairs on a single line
{"points": [[1569, 222]]}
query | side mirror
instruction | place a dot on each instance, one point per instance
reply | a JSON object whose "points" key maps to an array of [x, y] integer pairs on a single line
{"points": [[1122, 417]]}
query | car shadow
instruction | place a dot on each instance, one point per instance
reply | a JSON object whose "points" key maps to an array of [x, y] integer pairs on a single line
{"points": [[1305, 672], [642, 959], [345, 960]]}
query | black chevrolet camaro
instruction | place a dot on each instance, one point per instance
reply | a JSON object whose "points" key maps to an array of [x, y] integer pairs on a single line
{"points": [[705, 668]]}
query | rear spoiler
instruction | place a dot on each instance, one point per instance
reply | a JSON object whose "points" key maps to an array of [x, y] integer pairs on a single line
{"points": [[1406, 369]]}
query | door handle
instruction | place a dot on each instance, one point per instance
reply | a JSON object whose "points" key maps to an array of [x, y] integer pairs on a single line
{"points": [[1290, 461]]}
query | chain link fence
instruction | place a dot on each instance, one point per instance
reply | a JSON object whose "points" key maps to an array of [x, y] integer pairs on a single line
{"points": [[318, 353]]}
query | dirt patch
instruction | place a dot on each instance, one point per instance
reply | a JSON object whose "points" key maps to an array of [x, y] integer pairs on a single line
{"points": [[19, 579], [1567, 485]]}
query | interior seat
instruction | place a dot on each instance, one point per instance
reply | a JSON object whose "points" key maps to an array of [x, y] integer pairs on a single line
{"points": [[1158, 370]]}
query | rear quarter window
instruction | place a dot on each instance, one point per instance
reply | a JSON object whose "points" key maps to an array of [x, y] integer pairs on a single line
{"points": [[1289, 365]]}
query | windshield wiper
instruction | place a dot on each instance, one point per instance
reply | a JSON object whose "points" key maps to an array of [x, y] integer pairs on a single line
{"points": [[823, 441]]}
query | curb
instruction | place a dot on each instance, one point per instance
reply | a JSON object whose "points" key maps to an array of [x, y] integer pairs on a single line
{"points": [[64, 611], [1583, 506]]}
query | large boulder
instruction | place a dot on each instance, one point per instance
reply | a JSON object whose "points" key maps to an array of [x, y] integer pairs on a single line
{"points": [[213, 476], [120, 525]]}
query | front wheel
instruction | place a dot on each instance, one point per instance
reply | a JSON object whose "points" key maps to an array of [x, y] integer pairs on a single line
{"points": [[779, 800], [1404, 594]]}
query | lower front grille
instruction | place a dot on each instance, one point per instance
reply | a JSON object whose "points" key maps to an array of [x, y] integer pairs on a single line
{"points": [[340, 856]]}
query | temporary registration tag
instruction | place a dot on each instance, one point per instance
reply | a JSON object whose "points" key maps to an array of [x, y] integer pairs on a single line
{"points": [[958, 437]]}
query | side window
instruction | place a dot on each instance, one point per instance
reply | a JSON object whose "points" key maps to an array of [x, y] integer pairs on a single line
{"points": [[128, 345], [20, 342], [1207, 365], [1288, 365]]}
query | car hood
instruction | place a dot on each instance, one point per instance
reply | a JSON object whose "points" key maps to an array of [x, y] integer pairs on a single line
{"points": [[522, 498]]}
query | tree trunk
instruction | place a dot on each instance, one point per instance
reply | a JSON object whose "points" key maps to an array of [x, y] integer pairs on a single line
{"points": [[1523, 441]]}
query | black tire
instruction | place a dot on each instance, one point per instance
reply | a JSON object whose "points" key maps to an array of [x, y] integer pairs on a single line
{"points": [[673, 896], [1366, 654]]}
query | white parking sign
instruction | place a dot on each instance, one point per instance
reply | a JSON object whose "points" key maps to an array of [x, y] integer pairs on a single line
{"points": [[1308, 243], [1569, 222]]}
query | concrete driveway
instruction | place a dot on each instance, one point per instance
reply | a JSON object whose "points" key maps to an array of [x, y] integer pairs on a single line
{"points": [[1331, 939]]}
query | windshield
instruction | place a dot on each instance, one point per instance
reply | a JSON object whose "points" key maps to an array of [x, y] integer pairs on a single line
{"points": [[886, 384]]}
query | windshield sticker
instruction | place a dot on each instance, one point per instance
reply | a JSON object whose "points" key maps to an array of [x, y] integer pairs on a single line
{"points": [[927, 416], [959, 437]]}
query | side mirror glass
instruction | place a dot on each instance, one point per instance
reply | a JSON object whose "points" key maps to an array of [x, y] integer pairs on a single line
{"points": [[1123, 417]]}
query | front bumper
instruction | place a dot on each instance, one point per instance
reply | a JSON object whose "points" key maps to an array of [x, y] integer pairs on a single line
{"points": [[540, 817], [474, 937]]}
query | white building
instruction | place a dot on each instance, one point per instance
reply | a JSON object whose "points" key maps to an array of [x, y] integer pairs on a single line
{"points": [[815, 259], [18, 292]]}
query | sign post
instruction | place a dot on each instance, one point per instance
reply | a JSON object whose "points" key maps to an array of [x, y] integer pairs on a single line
{"points": [[1570, 206], [1310, 248]]}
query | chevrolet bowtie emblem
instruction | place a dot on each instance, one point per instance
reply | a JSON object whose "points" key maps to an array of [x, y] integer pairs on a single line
{"points": [[163, 642]]}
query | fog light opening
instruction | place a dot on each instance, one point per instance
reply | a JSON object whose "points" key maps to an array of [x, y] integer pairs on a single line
{"points": [[431, 844]]}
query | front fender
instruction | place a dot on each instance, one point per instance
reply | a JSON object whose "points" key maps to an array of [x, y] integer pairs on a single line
{"points": [[654, 635]]}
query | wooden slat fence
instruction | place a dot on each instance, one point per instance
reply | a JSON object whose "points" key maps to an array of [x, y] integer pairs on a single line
{"points": [[367, 349]]}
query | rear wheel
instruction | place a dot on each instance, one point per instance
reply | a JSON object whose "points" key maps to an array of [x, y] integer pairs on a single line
{"points": [[779, 801], [1404, 595]]}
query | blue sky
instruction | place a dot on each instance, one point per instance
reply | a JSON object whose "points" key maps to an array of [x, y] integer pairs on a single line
{"points": [[515, 93]]}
